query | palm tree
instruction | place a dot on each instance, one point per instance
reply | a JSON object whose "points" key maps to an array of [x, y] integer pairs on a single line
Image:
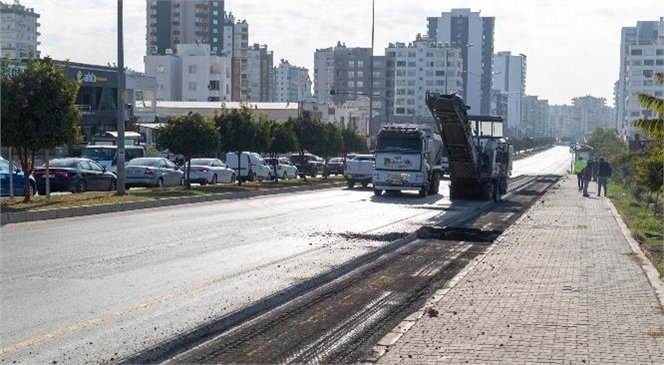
{"points": [[653, 126]]}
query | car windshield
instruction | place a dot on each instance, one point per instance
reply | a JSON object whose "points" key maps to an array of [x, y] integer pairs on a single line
{"points": [[142, 162], [98, 153]]}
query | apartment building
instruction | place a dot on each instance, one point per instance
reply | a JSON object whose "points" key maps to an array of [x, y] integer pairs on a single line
{"points": [[259, 73], [474, 36], [173, 22], [18, 33], [509, 79], [192, 73], [292, 83], [643, 61], [420, 66]]}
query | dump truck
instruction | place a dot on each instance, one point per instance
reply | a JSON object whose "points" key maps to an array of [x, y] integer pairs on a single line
{"points": [[408, 157], [480, 158]]}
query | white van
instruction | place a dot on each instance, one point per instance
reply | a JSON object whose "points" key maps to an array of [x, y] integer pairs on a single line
{"points": [[107, 157], [252, 166]]}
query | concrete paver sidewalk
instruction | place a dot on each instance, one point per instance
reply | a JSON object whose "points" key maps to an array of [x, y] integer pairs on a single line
{"points": [[562, 286]]}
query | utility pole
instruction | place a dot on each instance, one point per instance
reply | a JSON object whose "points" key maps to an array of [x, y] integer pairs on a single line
{"points": [[371, 67], [120, 173]]}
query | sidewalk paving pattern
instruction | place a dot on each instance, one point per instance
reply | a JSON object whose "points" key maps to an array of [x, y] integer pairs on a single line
{"points": [[562, 286]]}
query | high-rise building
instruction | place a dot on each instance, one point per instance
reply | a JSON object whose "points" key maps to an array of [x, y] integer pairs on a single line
{"points": [[638, 45], [589, 113], [420, 66], [535, 118], [344, 70], [240, 67], [18, 33], [292, 83], [172, 22], [509, 78], [259, 73], [473, 35]]}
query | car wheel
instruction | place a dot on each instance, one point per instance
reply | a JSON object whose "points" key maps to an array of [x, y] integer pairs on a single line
{"points": [[81, 186], [160, 183], [233, 178], [350, 183], [114, 185], [33, 189], [285, 175], [214, 179], [41, 192], [378, 192], [269, 176], [254, 177], [314, 173], [365, 184]]}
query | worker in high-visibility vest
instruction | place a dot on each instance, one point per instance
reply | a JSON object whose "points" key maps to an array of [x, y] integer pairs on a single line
{"points": [[578, 168]]}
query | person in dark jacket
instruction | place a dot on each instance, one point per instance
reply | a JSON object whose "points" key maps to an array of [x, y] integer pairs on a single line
{"points": [[587, 175], [604, 171]]}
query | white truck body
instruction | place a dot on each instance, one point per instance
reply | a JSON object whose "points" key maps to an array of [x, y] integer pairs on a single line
{"points": [[408, 157], [359, 169]]}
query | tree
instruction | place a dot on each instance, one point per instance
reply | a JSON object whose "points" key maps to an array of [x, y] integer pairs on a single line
{"points": [[653, 126], [188, 135], [650, 167], [330, 145], [283, 141], [237, 129], [38, 111], [606, 142]]}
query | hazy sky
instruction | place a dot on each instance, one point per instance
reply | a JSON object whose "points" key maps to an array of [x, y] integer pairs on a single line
{"points": [[572, 46]]}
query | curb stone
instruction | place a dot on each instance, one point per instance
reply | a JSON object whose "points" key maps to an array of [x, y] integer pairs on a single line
{"points": [[46, 214]]}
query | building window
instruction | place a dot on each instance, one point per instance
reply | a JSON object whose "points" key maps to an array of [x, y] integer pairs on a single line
{"points": [[360, 84], [214, 85], [351, 73], [351, 63], [636, 52], [192, 69], [360, 63], [351, 84], [360, 74], [648, 62], [192, 86]]}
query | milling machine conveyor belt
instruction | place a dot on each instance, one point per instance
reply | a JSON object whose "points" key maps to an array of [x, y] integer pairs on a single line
{"points": [[450, 114]]}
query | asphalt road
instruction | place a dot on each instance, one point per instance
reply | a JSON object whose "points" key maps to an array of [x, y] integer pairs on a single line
{"points": [[100, 288]]}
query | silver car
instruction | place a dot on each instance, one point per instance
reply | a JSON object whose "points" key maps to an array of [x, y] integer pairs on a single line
{"points": [[210, 171], [152, 171]]}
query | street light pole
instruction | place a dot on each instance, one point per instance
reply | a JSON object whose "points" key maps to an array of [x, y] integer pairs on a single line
{"points": [[371, 64], [120, 161]]}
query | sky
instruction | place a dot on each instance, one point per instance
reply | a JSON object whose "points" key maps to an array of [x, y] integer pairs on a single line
{"points": [[572, 46]]}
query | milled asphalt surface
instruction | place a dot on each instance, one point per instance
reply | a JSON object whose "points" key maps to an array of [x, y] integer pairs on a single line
{"points": [[565, 285]]}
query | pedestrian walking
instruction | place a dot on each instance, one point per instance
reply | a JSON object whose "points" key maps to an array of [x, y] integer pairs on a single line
{"points": [[587, 175], [604, 171], [578, 168]]}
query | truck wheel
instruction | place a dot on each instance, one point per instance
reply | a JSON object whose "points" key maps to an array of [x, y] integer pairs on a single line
{"points": [[423, 191], [378, 192], [487, 191], [351, 184], [365, 184], [435, 185]]}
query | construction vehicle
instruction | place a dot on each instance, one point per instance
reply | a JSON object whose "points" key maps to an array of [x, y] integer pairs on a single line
{"points": [[480, 158], [408, 157]]}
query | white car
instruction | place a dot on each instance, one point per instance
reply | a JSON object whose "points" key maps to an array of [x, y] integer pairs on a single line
{"points": [[210, 171], [284, 168]]}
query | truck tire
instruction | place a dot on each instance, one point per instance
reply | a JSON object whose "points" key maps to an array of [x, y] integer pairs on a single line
{"points": [[435, 185], [365, 184], [486, 191], [350, 183], [378, 192], [424, 191]]}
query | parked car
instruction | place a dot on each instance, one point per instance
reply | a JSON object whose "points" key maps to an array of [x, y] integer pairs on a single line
{"points": [[359, 169], [308, 164], [335, 166], [74, 174], [252, 166], [209, 171], [8, 169], [152, 171], [282, 167], [106, 155]]}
